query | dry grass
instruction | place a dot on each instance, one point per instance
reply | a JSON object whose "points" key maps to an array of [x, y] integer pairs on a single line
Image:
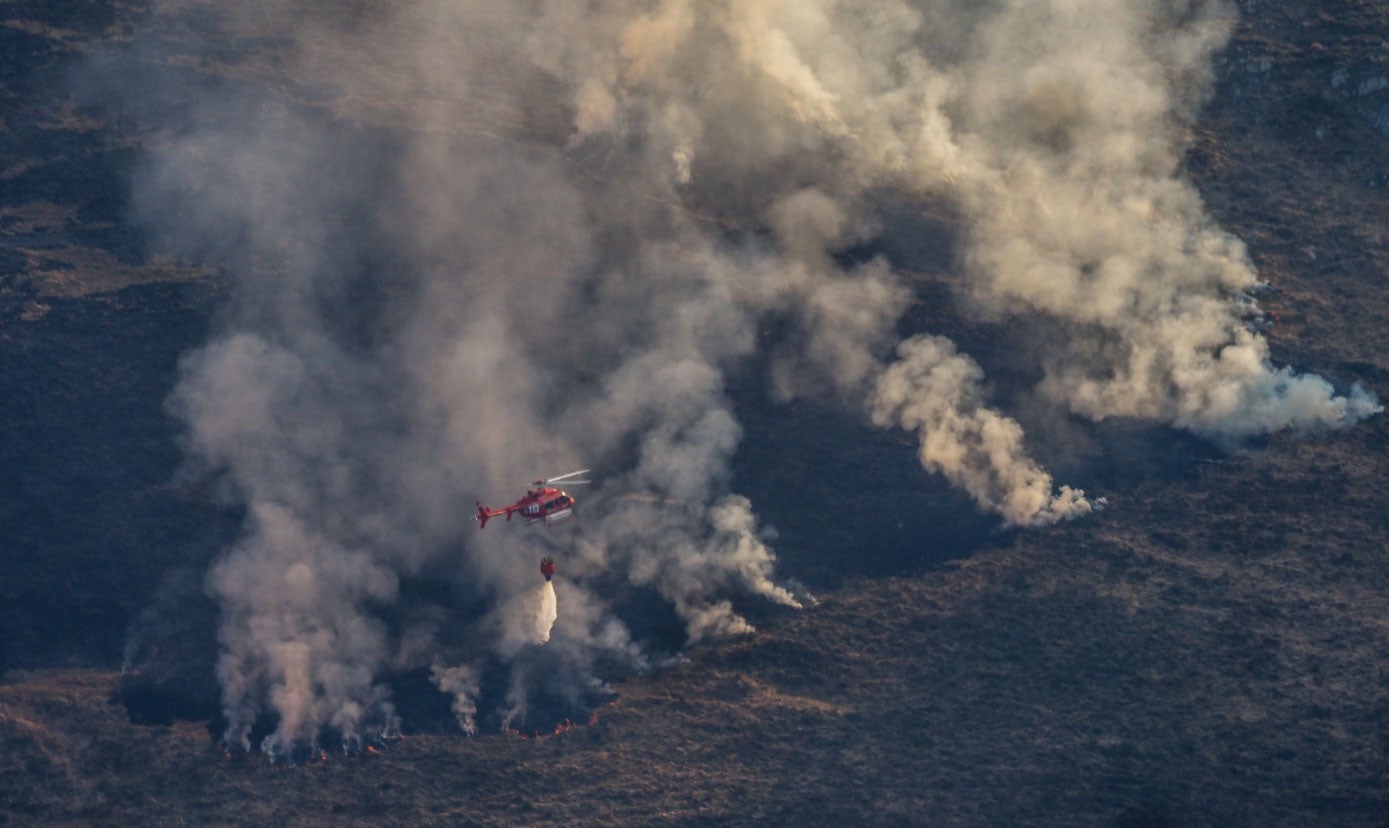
{"points": [[1211, 651]]}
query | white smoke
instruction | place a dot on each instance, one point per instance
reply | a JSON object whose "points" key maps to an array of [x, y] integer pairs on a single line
{"points": [[933, 390], [462, 683], [474, 240]]}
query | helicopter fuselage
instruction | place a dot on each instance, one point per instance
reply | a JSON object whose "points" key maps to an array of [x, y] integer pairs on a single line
{"points": [[546, 504]]}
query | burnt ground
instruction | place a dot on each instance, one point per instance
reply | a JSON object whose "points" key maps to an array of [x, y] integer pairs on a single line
{"points": [[1210, 651]]}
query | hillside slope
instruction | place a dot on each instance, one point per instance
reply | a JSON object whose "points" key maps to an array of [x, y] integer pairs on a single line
{"points": [[1211, 650]]}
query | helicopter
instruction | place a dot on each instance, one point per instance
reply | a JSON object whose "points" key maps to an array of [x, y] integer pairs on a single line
{"points": [[544, 503]]}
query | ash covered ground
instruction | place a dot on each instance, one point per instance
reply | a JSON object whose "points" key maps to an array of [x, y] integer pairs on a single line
{"points": [[1209, 650]]}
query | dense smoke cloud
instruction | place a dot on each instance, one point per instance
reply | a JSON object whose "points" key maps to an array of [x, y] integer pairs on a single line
{"points": [[474, 240], [933, 390]]}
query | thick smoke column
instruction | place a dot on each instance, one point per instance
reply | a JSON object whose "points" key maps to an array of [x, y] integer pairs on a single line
{"points": [[933, 390], [462, 683], [1080, 215], [474, 240]]}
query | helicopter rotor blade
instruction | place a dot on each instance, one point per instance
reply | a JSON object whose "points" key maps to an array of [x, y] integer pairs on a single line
{"points": [[565, 478]]}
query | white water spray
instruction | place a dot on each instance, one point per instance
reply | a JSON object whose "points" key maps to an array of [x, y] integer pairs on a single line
{"points": [[549, 611]]}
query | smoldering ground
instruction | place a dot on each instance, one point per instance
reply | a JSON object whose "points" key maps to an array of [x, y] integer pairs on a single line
{"points": [[472, 241]]}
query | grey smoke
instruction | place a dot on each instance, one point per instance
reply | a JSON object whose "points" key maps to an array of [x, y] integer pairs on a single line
{"points": [[474, 240], [462, 683]]}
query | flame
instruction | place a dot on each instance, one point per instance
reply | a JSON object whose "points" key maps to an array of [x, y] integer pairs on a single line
{"points": [[563, 727]]}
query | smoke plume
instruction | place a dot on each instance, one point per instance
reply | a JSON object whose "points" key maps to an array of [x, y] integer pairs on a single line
{"points": [[462, 683], [473, 241], [934, 390]]}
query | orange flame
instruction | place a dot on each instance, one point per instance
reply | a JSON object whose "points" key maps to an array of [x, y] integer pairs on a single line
{"points": [[563, 727]]}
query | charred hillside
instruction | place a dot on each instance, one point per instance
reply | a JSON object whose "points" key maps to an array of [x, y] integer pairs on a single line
{"points": [[1209, 650]]}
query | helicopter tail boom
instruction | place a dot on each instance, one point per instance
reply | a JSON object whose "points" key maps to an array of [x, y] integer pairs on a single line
{"points": [[483, 513]]}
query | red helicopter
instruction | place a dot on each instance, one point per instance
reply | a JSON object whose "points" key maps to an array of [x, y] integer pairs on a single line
{"points": [[542, 503]]}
